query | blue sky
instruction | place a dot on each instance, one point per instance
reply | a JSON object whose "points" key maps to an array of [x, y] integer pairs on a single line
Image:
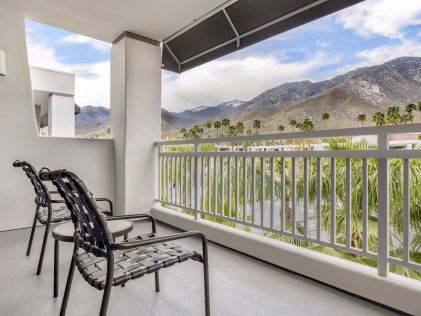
{"points": [[367, 34]]}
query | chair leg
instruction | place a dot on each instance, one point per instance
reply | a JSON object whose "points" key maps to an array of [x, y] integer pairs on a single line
{"points": [[56, 264], [44, 245], [206, 276], [157, 281], [108, 284], [44, 242], [68, 287], [31, 238]]}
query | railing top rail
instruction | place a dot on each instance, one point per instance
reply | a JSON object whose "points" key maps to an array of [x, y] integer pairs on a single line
{"points": [[346, 132], [353, 154]]}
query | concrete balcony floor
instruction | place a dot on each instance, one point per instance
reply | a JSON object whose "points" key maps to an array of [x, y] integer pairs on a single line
{"points": [[240, 285]]}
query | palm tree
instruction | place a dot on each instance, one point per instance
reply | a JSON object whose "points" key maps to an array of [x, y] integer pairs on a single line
{"points": [[379, 118], [257, 124], [195, 132], [184, 133], [361, 118], [325, 118], [410, 108], [232, 131], [281, 128], [307, 125], [240, 128], [226, 123], [407, 118], [293, 123], [393, 115], [217, 125]]}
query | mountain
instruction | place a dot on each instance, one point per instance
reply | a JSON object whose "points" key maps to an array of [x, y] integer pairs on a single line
{"points": [[364, 90], [361, 91], [172, 122], [93, 121]]}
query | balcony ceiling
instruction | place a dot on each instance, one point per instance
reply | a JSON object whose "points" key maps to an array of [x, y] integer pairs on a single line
{"points": [[241, 24], [194, 32], [107, 19]]}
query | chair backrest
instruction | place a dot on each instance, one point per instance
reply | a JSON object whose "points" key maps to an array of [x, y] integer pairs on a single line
{"points": [[42, 196], [91, 231]]}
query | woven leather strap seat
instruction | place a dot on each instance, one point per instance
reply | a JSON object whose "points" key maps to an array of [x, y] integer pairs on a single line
{"points": [[60, 214], [134, 263], [57, 215]]}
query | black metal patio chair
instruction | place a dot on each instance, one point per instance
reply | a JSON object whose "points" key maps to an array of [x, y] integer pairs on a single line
{"points": [[104, 263], [45, 212]]}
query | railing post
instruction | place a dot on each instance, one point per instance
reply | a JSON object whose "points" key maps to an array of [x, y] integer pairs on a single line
{"points": [[383, 208], [158, 151], [196, 181]]}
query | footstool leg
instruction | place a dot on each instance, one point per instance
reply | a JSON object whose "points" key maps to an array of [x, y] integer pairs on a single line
{"points": [[56, 255]]}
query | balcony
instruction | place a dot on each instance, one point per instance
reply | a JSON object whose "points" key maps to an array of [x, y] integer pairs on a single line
{"points": [[357, 202], [240, 286], [298, 223]]}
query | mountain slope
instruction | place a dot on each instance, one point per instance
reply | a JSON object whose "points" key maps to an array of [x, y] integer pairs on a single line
{"points": [[361, 91], [93, 121], [365, 90]]}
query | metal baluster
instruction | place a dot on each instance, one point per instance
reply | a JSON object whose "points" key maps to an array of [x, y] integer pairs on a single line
{"points": [[333, 201], [406, 210], [365, 204], [244, 189], [253, 188], [185, 181], [306, 197], [171, 181], [348, 180], [229, 187], [272, 190], [202, 183], [263, 188], [196, 182], [215, 184], [209, 186], [237, 193], [176, 181], [319, 198], [283, 196], [222, 167], [294, 193], [383, 209]]}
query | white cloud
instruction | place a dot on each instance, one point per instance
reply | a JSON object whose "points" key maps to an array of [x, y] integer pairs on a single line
{"points": [[388, 18], [92, 80], [227, 79], [382, 54], [100, 46]]}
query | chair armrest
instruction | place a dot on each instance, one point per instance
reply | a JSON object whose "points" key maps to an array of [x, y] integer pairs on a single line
{"points": [[157, 240], [136, 216], [57, 202], [109, 203]]}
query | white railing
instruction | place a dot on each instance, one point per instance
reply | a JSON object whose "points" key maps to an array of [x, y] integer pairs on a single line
{"points": [[334, 198]]}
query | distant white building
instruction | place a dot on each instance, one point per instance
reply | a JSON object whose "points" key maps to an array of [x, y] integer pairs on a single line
{"points": [[396, 141], [54, 102]]}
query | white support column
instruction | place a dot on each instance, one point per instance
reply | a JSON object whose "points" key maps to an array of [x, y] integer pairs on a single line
{"points": [[136, 121], [61, 115]]}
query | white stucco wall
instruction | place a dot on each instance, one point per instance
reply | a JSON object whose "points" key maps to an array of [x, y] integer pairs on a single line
{"points": [[61, 116], [52, 81], [136, 122], [92, 160]]}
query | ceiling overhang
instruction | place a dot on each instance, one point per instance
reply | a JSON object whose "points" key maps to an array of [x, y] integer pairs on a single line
{"points": [[239, 24]]}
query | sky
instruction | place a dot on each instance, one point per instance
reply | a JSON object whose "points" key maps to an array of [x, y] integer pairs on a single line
{"points": [[366, 34]]}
